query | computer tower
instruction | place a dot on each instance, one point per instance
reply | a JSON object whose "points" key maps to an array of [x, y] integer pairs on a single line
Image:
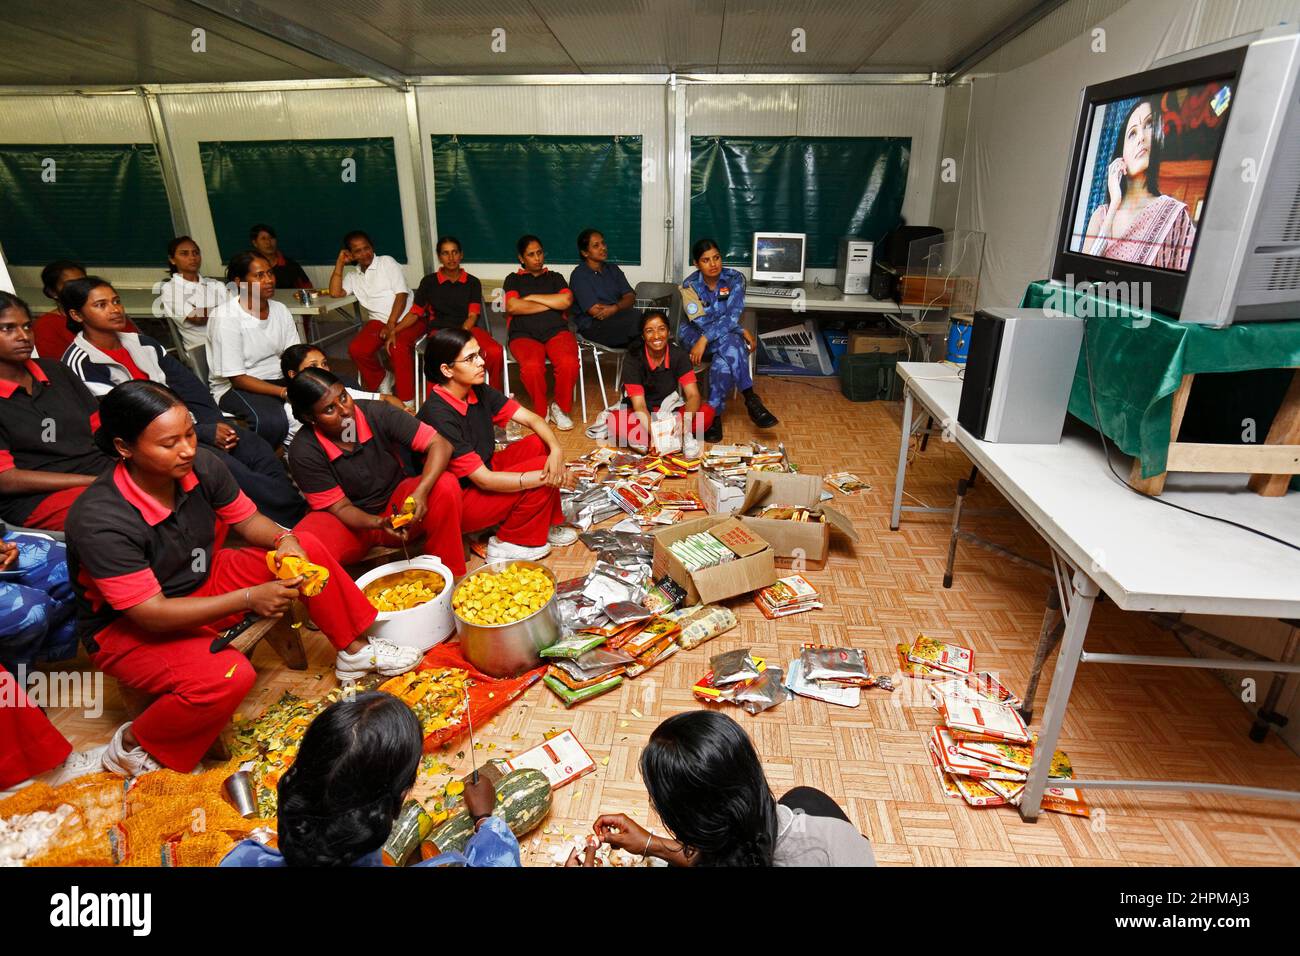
{"points": [[853, 267], [1019, 373]]}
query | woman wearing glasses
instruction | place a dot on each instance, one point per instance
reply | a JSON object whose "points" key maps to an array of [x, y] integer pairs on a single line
{"points": [[518, 488]]}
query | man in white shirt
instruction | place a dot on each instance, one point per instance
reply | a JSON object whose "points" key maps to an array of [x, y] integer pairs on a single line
{"points": [[381, 288]]}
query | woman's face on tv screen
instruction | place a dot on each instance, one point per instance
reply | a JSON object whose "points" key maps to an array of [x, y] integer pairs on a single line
{"points": [[1137, 140]]}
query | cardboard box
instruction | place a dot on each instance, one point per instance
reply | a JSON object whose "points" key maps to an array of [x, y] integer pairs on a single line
{"points": [[719, 499], [806, 540], [754, 568], [869, 342]]}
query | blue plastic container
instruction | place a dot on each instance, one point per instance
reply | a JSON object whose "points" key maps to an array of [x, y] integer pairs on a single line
{"points": [[958, 341]]}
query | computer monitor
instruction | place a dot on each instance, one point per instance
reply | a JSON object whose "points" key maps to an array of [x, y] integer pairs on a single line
{"points": [[778, 256]]}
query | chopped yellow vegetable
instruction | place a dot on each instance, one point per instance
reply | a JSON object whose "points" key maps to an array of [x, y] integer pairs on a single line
{"points": [[504, 597]]}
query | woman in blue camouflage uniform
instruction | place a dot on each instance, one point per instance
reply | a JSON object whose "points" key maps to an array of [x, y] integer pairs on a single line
{"points": [[712, 330]]}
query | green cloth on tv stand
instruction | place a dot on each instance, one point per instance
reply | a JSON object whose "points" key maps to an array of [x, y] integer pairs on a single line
{"points": [[1139, 359]]}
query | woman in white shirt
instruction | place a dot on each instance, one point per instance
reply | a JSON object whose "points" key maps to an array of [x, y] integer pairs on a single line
{"points": [[187, 297], [381, 289], [246, 336]]}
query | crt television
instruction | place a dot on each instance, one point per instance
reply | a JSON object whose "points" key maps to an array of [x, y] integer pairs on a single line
{"points": [[1183, 194], [778, 256]]}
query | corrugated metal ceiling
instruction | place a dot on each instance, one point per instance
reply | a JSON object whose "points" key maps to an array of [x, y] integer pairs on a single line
{"points": [[85, 42]]}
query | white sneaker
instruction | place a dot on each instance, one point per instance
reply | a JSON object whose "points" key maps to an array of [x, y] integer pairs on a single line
{"points": [[127, 763], [561, 536], [80, 764], [562, 421], [386, 386], [498, 550], [383, 656]]}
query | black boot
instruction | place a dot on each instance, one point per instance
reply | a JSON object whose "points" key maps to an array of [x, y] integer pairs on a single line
{"points": [[758, 412], [713, 433]]}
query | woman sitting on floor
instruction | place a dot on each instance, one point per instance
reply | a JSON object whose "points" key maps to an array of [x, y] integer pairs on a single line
{"points": [[47, 455], [104, 354], [339, 800], [297, 358], [246, 335], [155, 587], [707, 785], [346, 463], [518, 488]]}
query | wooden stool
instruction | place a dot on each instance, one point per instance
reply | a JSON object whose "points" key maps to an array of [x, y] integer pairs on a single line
{"points": [[1270, 463]]}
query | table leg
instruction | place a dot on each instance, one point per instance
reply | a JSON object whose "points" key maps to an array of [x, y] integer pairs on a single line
{"points": [[963, 485], [900, 475], [1267, 713], [1049, 635], [1083, 594]]}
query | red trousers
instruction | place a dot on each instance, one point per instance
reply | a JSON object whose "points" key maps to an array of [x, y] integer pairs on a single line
{"points": [[562, 350], [29, 744], [52, 512], [197, 690], [624, 425], [525, 516], [364, 350], [440, 528]]}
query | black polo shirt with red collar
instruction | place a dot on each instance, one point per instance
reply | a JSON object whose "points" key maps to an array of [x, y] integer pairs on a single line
{"points": [[448, 302], [469, 425], [49, 430], [124, 546], [540, 326], [641, 376], [369, 473]]}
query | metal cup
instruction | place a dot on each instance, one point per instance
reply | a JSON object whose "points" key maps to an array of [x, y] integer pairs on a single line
{"points": [[239, 788]]}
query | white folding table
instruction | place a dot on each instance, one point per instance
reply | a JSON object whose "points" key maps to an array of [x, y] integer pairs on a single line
{"points": [[1145, 555]]}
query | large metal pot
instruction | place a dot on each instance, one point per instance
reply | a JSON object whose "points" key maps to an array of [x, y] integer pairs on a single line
{"points": [[507, 650]]}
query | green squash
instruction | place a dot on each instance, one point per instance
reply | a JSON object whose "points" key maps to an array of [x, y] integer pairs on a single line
{"points": [[523, 800]]}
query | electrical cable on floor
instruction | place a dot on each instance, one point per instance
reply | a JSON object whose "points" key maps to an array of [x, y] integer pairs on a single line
{"points": [[1105, 448]]}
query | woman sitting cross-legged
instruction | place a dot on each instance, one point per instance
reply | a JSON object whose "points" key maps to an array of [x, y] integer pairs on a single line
{"points": [[345, 461], [155, 586], [339, 800], [518, 488], [707, 785], [104, 354]]}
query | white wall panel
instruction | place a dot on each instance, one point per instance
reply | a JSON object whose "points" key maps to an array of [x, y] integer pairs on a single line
{"points": [[192, 118], [555, 111]]}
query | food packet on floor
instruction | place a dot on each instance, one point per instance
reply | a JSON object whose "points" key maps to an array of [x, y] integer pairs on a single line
{"points": [[704, 625], [602, 589], [761, 694], [580, 612], [834, 663], [573, 645], [624, 612], [666, 595], [731, 667], [667, 434], [570, 697]]}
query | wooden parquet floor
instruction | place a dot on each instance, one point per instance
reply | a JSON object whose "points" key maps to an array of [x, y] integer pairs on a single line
{"points": [[1136, 722]]}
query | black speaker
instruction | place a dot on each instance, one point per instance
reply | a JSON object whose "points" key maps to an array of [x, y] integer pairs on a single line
{"points": [[981, 371]]}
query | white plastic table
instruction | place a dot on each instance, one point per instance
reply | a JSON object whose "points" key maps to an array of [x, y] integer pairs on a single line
{"points": [[1145, 555]]}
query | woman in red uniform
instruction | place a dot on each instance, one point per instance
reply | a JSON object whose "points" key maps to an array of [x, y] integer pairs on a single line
{"points": [[155, 587], [345, 461], [518, 488], [451, 298], [47, 455]]}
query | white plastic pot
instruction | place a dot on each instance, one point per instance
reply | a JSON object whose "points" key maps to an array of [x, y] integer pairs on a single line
{"points": [[425, 624]]}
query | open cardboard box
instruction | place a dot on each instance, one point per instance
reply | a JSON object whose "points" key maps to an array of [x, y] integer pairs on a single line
{"points": [[754, 568], [719, 498], [809, 541]]}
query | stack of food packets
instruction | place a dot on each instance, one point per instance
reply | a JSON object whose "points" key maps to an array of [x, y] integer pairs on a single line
{"points": [[983, 751], [789, 595], [737, 677], [935, 656], [701, 550]]}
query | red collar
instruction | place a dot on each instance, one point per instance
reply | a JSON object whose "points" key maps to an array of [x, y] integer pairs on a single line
{"points": [[148, 506], [461, 406], [525, 272], [462, 278], [649, 362], [7, 389], [363, 435], [279, 259]]}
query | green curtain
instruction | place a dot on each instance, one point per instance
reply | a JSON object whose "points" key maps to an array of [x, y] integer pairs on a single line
{"points": [[490, 190], [825, 186], [305, 191], [101, 204]]}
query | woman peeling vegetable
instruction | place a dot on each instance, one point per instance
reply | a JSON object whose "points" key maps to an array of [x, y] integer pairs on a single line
{"points": [[707, 785], [155, 586], [345, 461], [339, 800]]}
